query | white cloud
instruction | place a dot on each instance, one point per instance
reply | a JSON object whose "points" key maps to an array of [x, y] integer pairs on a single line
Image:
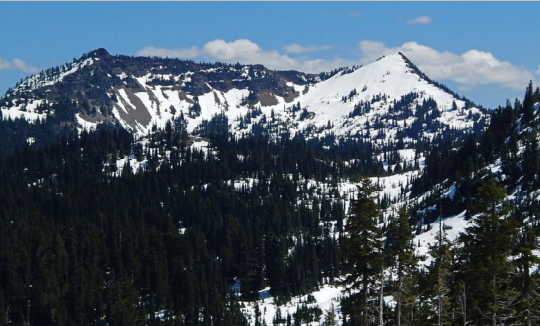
{"points": [[248, 52], [372, 50], [319, 65], [420, 20], [296, 48], [4, 64], [538, 71], [470, 69], [17, 64], [151, 51], [23, 66]]}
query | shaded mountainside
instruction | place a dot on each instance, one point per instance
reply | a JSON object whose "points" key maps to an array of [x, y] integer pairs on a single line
{"points": [[93, 83]]}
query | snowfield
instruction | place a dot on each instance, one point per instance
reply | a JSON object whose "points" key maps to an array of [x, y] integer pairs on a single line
{"points": [[325, 297]]}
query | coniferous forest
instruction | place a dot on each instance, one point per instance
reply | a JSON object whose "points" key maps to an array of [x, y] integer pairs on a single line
{"points": [[84, 241]]}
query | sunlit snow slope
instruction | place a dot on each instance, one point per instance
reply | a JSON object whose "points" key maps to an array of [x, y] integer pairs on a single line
{"points": [[376, 102]]}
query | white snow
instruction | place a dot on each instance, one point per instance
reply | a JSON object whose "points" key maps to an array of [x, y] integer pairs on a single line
{"points": [[453, 225], [24, 111], [84, 124], [35, 81], [326, 296]]}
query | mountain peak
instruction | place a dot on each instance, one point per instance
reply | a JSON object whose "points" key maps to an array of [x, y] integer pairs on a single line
{"points": [[398, 59], [390, 56], [98, 53], [402, 55], [412, 66], [142, 92]]}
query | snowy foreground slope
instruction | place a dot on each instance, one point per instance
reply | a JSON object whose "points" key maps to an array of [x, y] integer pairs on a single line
{"points": [[376, 102]]}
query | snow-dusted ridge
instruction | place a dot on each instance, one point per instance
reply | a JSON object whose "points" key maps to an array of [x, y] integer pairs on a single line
{"points": [[44, 79], [153, 94]]}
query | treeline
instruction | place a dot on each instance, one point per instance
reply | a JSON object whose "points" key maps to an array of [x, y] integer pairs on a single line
{"points": [[19, 133]]}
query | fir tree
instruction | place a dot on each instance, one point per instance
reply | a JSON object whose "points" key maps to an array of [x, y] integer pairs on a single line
{"points": [[529, 296], [528, 103], [487, 270], [400, 245], [362, 254], [330, 316], [440, 277]]}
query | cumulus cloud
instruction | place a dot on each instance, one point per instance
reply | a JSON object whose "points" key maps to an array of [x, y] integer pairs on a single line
{"points": [[249, 52], [420, 20], [246, 51], [538, 71], [470, 69], [17, 64], [151, 51], [23, 66], [296, 48], [4, 64]]}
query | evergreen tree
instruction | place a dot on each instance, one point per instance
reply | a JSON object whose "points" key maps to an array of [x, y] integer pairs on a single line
{"points": [[486, 270], [330, 316], [400, 247], [440, 277], [531, 159], [528, 103], [529, 296], [363, 249]]}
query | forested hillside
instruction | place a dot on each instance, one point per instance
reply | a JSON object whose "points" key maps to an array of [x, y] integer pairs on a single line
{"points": [[206, 225]]}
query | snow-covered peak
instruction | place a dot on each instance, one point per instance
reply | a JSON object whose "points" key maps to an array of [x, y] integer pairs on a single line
{"points": [[390, 76], [140, 93]]}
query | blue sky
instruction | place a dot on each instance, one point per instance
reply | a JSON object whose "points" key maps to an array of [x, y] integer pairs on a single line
{"points": [[485, 51]]}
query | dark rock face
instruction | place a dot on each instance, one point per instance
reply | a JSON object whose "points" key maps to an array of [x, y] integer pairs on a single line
{"points": [[92, 80]]}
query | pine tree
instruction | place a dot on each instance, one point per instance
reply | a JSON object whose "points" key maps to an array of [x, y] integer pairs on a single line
{"points": [[529, 298], [439, 277], [400, 245], [330, 316], [486, 268], [531, 158], [528, 103], [363, 248]]}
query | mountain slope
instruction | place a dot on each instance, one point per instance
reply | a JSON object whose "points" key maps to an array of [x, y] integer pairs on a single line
{"points": [[386, 101], [352, 104], [225, 230]]}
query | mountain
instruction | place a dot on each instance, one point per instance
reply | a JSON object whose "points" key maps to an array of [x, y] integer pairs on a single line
{"points": [[149, 191], [389, 100]]}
